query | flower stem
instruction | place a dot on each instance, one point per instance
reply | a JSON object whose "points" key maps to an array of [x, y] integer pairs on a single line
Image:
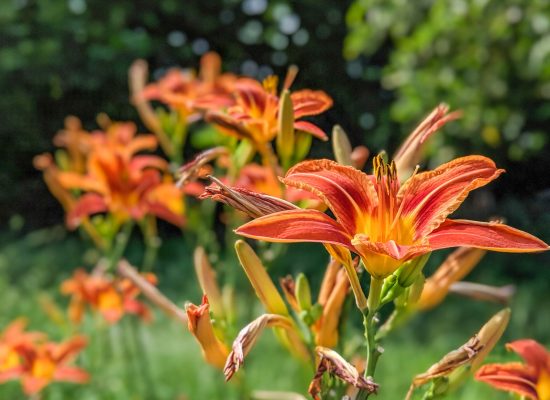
{"points": [[373, 352], [121, 241]]}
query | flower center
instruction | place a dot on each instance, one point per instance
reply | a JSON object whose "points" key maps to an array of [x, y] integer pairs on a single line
{"points": [[385, 222]]}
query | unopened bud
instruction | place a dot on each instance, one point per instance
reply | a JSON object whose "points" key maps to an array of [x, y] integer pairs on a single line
{"points": [[260, 280], [303, 292], [341, 146], [285, 134], [302, 145], [408, 272]]}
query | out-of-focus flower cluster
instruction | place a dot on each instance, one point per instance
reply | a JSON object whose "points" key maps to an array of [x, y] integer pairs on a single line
{"points": [[36, 361]]}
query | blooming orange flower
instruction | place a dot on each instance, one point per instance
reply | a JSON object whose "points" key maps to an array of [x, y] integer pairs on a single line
{"points": [[127, 185], [387, 224], [531, 379], [111, 297], [257, 106], [15, 337], [183, 91], [46, 362]]}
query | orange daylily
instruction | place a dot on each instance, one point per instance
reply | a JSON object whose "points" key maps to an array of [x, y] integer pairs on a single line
{"points": [[531, 379], [111, 297], [188, 94], [256, 111], [15, 337], [46, 362], [385, 223], [127, 186]]}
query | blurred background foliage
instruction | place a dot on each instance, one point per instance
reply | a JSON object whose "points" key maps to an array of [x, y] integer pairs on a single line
{"points": [[489, 58]]}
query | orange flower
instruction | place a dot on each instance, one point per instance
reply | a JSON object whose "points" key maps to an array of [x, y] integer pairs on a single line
{"points": [[13, 338], [46, 362], [387, 224], [127, 185], [257, 106], [531, 379], [183, 91], [111, 297]]}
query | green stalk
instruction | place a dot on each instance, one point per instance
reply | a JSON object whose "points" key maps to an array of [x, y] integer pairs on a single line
{"points": [[373, 353], [121, 241]]}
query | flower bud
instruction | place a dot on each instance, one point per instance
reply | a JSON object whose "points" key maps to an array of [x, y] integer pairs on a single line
{"points": [[260, 280], [285, 134], [408, 273], [303, 292], [341, 146]]}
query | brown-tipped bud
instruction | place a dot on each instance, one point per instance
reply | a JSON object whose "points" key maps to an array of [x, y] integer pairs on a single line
{"points": [[341, 146], [335, 365], [455, 267], [248, 336], [260, 280], [290, 76], [213, 350], [285, 131], [327, 327], [410, 152], [359, 156], [478, 291], [288, 287], [251, 203], [192, 170], [490, 334], [207, 281], [137, 79], [472, 352]]}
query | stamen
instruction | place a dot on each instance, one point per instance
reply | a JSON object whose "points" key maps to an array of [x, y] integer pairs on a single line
{"points": [[270, 84]]}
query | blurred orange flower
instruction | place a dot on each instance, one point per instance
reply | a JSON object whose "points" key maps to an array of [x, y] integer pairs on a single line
{"points": [[111, 297], [531, 379], [118, 181], [13, 338], [254, 116], [188, 93], [45, 362]]}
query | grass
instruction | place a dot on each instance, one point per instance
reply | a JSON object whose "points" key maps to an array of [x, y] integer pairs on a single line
{"points": [[162, 361]]}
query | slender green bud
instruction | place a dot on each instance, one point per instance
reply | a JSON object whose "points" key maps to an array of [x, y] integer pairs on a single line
{"points": [[408, 272], [415, 290], [303, 292], [285, 134], [302, 145], [341, 146]]}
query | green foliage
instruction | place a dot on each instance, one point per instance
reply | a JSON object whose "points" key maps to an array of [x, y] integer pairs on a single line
{"points": [[490, 58]]}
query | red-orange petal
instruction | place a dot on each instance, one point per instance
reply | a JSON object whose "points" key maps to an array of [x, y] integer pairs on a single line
{"points": [[88, 204], [534, 354], [429, 197], [510, 377], [310, 102], [296, 226], [311, 129], [348, 192], [485, 235], [71, 374]]}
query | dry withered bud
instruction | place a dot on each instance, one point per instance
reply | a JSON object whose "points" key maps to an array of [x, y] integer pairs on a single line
{"points": [[472, 352], [288, 285], [251, 203], [192, 170], [334, 364], [410, 152], [478, 291], [150, 291], [248, 336]]}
